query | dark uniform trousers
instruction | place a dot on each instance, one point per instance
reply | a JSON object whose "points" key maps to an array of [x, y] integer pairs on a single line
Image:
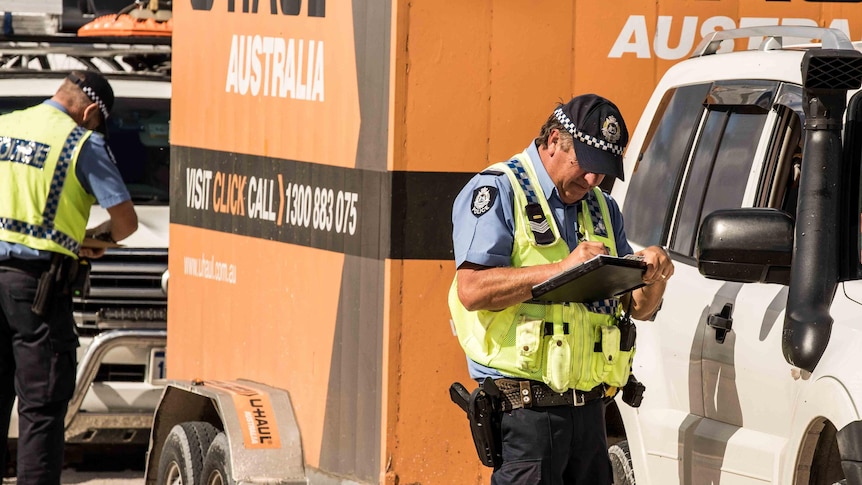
{"points": [[37, 364], [555, 445]]}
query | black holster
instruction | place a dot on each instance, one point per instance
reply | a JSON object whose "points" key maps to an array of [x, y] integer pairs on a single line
{"points": [[79, 278], [47, 282], [483, 411], [64, 274], [633, 392]]}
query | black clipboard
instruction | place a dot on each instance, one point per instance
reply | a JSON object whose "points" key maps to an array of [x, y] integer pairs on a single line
{"points": [[596, 279]]}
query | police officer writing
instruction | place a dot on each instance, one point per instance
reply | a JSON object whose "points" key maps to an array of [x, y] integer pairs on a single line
{"points": [[53, 167], [516, 224]]}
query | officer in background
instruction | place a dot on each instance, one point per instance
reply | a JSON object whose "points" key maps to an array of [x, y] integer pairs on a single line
{"points": [[515, 225], [53, 167]]}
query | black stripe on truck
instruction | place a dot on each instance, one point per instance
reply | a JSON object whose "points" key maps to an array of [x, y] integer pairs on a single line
{"points": [[347, 210]]}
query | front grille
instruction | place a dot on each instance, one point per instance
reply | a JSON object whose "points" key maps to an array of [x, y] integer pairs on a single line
{"points": [[125, 291], [120, 373]]}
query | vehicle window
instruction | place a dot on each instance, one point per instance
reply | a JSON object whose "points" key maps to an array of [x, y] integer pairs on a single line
{"points": [[779, 183], [720, 167], [722, 156], [698, 178], [138, 135], [851, 245], [652, 195]]}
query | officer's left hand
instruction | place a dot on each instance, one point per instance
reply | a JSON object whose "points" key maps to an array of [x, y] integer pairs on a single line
{"points": [[659, 265], [91, 253]]}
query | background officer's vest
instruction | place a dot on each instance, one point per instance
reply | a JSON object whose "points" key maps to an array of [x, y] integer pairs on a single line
{"points": [[42, 204], [567, 345]]}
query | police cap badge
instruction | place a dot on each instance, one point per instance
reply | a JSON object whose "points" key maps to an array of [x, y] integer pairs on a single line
{"points": [[599, 131]]}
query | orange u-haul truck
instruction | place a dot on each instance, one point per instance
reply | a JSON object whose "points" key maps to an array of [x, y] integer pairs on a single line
{"points": [[317, 147]]}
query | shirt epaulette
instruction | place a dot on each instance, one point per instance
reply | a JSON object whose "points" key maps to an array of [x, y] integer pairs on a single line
{"points": [[491, 171]]}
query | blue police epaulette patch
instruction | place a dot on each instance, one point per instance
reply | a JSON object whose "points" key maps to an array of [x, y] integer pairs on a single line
{"points": [[491, 171]]}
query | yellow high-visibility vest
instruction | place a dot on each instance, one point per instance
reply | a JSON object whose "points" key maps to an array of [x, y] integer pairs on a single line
{"points": [[42, 203], [565, 345]]}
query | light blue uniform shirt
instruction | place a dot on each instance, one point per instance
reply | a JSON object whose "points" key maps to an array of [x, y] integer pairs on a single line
{"points": [[98, 174], [487, 239]]}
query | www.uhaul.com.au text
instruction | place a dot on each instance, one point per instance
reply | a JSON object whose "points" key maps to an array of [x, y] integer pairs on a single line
{"points": [[208, 268]]}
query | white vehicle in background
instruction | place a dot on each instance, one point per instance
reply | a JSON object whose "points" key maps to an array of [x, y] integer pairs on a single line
{"points": [[122, 321], [746, 166]]}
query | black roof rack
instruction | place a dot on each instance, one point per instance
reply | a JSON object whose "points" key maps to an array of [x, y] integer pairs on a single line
{"points": [[111, 55], [72, 44]]}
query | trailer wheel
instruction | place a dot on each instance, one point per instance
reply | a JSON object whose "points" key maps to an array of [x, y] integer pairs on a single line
{"points": [[183, 455], [217, 463], [621, 462]]}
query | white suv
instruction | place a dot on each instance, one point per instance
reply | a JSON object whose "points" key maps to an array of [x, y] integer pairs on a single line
{"points": [[122, 321], [746, 166]]}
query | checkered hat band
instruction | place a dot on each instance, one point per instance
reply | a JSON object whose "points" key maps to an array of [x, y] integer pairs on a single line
{"points": [[60, 173], [96, 99], [524, 180], [41, 232], [585, 138]]}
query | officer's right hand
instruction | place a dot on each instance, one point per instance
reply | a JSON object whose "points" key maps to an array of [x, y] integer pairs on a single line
{"points": [[584, 251]]}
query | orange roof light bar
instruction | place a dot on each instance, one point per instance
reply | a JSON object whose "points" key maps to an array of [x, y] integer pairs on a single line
{"points": [[135, 20]]}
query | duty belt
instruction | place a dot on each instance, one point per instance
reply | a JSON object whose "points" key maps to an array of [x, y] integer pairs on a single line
{"points": [[33, 267], [527, 394]]}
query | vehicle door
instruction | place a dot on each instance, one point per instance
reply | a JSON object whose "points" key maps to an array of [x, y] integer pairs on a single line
{"points": [[713, 354]]}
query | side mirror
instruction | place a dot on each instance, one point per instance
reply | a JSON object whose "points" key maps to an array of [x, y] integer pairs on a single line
{"points": [[752, 245]]}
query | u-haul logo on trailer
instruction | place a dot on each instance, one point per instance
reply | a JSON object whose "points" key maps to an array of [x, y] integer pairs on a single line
{"points": [[276, 73], [258, 421], [273, 66], [316, 8], [255, 413]]}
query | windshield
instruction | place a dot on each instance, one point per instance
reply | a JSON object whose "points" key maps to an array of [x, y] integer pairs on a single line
{"points": [[138, 134]]}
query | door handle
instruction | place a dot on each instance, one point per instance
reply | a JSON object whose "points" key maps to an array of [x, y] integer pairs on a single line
{"points": [[721, 322]]}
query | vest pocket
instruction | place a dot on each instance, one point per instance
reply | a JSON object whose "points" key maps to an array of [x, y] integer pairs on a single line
{"points": [[528, 341], [559, 363], [619, 372], [605, 360], [612, 365]]}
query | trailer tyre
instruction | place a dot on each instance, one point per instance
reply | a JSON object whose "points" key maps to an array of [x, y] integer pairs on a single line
{"points": [[621, 463], [183, 455], [217, 463]]}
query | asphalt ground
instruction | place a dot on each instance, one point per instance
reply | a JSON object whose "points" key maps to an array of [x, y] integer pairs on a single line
{"points": [[102, 466], [127, 477]]}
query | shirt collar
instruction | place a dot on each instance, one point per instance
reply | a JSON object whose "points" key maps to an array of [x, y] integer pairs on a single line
{"points": [[545, 181], [51, 102]]}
